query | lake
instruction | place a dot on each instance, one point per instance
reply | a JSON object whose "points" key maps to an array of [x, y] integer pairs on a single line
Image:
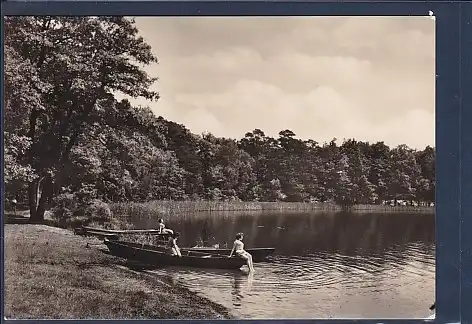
{"points": [[341, 265]]}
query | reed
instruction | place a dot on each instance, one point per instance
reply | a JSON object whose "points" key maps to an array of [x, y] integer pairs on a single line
{"points": [[392, 209], [179, 209], [174, 208]]}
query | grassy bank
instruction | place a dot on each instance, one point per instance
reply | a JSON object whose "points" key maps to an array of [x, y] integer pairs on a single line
{"points": [[51, 273], [173, 208], [22, 217]]}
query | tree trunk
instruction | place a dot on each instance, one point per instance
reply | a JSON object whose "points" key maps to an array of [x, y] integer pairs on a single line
{"points": [[34, 185], [33, 198], [46, 193], [39, 192]]}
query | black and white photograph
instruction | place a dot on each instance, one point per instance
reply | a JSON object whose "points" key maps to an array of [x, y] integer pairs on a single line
{"points": [[219, 167]]}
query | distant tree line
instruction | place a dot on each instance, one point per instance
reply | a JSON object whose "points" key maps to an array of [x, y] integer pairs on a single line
{"points": [[65, 132]]}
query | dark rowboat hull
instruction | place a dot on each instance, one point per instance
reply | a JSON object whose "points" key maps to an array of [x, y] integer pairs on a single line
{"points": [[156, 256], [258, 254]]}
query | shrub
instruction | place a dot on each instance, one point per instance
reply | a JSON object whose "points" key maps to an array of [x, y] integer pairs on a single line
{"points": [[71, 211], [64, 208], [98, 210]]}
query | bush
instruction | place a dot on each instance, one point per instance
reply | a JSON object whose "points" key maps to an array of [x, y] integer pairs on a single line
{"points": [[65, 207], [67, 211], [98, 211]]}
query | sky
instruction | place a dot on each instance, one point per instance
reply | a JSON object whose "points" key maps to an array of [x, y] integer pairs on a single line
{"points": [[368, 78]]}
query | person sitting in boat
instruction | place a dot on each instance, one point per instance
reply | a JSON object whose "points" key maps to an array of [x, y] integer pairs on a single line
{"points": [[238, 249], [162, 228], [172, 245]]}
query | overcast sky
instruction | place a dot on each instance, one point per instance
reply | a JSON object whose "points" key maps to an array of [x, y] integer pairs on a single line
{"points": [[368, 78]]}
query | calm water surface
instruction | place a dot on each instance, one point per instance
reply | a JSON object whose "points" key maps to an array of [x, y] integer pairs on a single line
{"points": [[325, 265]]}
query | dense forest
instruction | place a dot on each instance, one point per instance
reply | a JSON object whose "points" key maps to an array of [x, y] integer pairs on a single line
{"points": [[67, 133]]}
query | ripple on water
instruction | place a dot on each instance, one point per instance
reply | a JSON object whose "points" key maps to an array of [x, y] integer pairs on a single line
{"points": [[302, 277]]}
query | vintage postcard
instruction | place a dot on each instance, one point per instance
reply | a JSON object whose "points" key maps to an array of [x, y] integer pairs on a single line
{"points": [[219, 167]]}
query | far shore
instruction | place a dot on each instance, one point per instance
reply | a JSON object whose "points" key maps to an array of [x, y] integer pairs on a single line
{"points": [[123, 210], [51, 273], [170, 208]]}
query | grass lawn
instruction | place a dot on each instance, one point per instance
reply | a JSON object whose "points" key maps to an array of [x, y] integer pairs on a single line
{"points": [[52, 273]]}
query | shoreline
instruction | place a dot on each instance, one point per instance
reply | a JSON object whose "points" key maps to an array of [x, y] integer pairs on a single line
{"points": [[52, 273], [173, 208]]}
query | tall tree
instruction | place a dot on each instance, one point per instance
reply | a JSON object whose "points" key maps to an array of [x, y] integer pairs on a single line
{"points": [[380, 162], [61, 50], [426, 185], [404, 173], [358, 171]]}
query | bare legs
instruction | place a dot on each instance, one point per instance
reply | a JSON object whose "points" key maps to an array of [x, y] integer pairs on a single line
{"points": [[249, 262]]}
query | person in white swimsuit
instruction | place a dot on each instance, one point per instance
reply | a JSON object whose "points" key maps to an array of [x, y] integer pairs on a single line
{"points": [[238, 249], [162, 228]]}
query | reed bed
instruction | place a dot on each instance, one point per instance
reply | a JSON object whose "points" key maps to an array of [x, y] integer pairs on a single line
{"points": [[174, 208], [389, 209], [181, 209]]}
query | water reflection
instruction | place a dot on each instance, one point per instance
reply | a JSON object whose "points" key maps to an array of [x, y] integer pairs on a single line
{"points": [[325, 265], [242, 285]]}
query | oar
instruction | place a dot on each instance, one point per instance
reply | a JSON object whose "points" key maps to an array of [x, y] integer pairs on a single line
{"points": [[201, 253]]}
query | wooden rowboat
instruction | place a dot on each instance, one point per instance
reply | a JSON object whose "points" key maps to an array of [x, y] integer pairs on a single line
{"points": [[156, 256], [258, 254]]}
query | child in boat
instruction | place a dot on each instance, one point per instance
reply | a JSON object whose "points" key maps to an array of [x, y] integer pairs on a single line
{"points": [[238, 249], [172, 245], [162, 228]]}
